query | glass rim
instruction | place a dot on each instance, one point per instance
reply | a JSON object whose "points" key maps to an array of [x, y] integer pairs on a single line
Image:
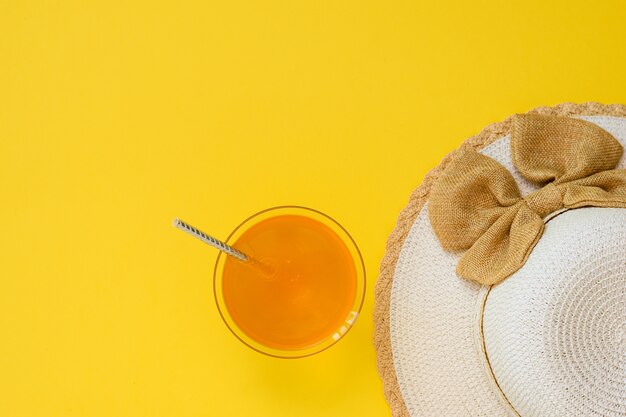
{"points": [[325, 343]]}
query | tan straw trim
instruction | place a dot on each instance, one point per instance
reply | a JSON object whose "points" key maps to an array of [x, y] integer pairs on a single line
{"points": [[491, 133]]}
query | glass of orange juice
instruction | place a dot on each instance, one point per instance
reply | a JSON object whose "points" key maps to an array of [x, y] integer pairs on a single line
{"points": [[310, 291]]}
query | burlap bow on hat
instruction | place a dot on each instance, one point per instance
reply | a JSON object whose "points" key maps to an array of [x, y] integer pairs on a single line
{"points": [[476, 205]]}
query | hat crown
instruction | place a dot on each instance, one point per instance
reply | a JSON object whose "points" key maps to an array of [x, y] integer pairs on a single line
{"points": [[554, 331]]}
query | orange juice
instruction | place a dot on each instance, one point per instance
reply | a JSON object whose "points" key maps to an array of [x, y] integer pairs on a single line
{"points": [[309, 296]]}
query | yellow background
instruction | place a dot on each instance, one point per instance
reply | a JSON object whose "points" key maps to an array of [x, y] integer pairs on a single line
{"points": [[117, 116]]}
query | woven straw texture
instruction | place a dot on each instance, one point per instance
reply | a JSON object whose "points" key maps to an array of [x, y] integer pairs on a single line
{"points": [[493, 404], [555, 332]]}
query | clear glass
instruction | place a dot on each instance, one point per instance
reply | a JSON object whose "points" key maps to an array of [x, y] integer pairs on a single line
{"points": [[356, 257]]}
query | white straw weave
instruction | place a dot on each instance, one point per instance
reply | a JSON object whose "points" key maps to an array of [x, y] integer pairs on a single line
{"points": [[555, 331]]}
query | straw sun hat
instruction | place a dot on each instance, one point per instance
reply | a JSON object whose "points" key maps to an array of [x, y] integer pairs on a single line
{"points": [[503, 288]]}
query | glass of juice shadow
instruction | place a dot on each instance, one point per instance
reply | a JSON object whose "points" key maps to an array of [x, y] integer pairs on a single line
{"points": [[309, 291]]}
